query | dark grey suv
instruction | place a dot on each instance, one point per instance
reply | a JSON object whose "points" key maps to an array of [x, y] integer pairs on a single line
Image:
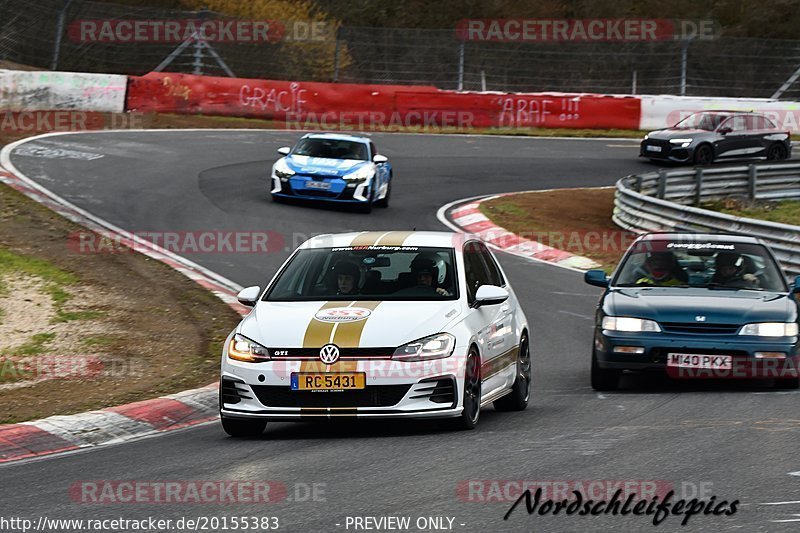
{"points": [[702, 138]]}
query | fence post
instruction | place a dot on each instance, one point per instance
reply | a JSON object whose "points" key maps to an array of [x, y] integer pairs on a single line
{"points": [[684, 58], [698, 185], [59, 34], [336, 57], [752, 181], [461, 65], [637, 183], [662, 184]]}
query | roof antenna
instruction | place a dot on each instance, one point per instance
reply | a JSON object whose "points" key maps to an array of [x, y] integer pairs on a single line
{"points": [[414, 228]]}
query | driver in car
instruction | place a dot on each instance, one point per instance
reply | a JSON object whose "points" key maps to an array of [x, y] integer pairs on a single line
{"points": [[347, 277], [428, 271]]}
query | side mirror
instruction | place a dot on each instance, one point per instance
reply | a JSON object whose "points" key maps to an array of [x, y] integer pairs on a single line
{"points": [[490, 295], [380, 159], [249, 295], [796, 288], [597, 278], [725, 131], [284, 150]]}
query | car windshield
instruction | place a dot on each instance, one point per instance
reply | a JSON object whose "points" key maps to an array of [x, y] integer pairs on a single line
{"points": [[332, 149], [714, 265], [367, 273], [701, 121]]}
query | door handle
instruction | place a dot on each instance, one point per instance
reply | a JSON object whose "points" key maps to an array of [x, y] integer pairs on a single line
{"points": [[504, 309]]}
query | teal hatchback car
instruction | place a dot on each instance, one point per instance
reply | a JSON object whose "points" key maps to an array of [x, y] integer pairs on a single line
{"points": [[696, 306]]}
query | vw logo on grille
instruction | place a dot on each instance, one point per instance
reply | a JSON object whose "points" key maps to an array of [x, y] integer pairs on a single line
{"points": [[700, 318], [329, 354]]}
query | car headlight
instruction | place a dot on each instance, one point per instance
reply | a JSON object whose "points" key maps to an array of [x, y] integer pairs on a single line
{"points": [[624, 323], [282, 170], [436, 346], [647, 136], [243, 349], [683, 142], [362, 174], [770, 329]]}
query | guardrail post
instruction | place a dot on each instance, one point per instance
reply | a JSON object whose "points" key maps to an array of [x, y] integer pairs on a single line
{"points": [[637, 183], [752, 181], [662, 184], [698, 185]]}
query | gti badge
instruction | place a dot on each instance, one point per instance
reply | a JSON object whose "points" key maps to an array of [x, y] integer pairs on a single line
{"points": [[329, 354]]}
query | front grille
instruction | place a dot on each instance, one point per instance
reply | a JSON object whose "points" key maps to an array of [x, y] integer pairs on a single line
{"points": [[344, 353], [233, 390], [665, 148], [316, 193], [700, 328], [376, 396], [436, 390]]}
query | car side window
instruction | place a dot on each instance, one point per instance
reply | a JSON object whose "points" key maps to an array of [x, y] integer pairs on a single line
{"points": [[474, 270], [495, 276], [735, 123], [768, 124]]}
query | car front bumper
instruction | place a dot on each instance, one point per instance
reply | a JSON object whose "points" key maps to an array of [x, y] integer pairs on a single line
{"points": [[657, 347], [339, 191], [393, 389], [666, 151]]}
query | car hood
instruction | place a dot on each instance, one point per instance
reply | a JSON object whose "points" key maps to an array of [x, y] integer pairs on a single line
{"points": [[388, 324], [718, 306], [675, 133], [323, 166]]}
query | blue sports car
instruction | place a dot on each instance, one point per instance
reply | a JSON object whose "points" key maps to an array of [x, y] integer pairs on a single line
{"points": [[696, 306], [333, 168]]}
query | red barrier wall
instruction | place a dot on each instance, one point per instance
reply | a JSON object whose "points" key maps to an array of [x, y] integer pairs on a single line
{"points": [[365, 107]]}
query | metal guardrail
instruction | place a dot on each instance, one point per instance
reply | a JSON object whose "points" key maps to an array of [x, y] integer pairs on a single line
{"points": [[665, 200]]}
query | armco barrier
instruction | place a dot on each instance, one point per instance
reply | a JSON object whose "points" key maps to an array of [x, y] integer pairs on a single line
{"points": [[655, 202], [337, 106], [45, 91]]}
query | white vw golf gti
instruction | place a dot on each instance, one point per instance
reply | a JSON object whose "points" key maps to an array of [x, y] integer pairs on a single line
{"points": [[378, 325]]}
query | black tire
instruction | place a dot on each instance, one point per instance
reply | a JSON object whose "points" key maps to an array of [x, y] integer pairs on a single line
{"points": [[777, 152], [468, 418], [384, 202], [242, 427], [787, 383], [366, 207], [703, 155], [604, 379], [517, 400]]}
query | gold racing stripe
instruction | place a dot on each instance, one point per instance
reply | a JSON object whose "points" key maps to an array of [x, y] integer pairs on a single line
{"points": [[394, 238], [317, 335], [499, 363], [348, 335], [383, 238], [367, 238]]}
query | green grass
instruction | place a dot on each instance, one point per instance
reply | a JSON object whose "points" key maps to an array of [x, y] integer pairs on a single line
{"points": [[55, 278], [98, 340], [785, 212], [36, 345]]}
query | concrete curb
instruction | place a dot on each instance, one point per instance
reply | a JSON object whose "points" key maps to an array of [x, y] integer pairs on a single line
{"points": [[465, 215], [58, 434]]}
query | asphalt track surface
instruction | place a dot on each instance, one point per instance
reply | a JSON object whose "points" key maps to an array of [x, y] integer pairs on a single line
{"points": [[732, 440]]}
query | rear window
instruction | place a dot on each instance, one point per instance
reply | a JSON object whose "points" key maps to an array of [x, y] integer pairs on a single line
{"points": [[700, 264]]}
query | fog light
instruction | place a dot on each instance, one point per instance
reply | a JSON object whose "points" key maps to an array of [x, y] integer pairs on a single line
{"points": [[628, 349], [284, 180], [770, 355]]}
